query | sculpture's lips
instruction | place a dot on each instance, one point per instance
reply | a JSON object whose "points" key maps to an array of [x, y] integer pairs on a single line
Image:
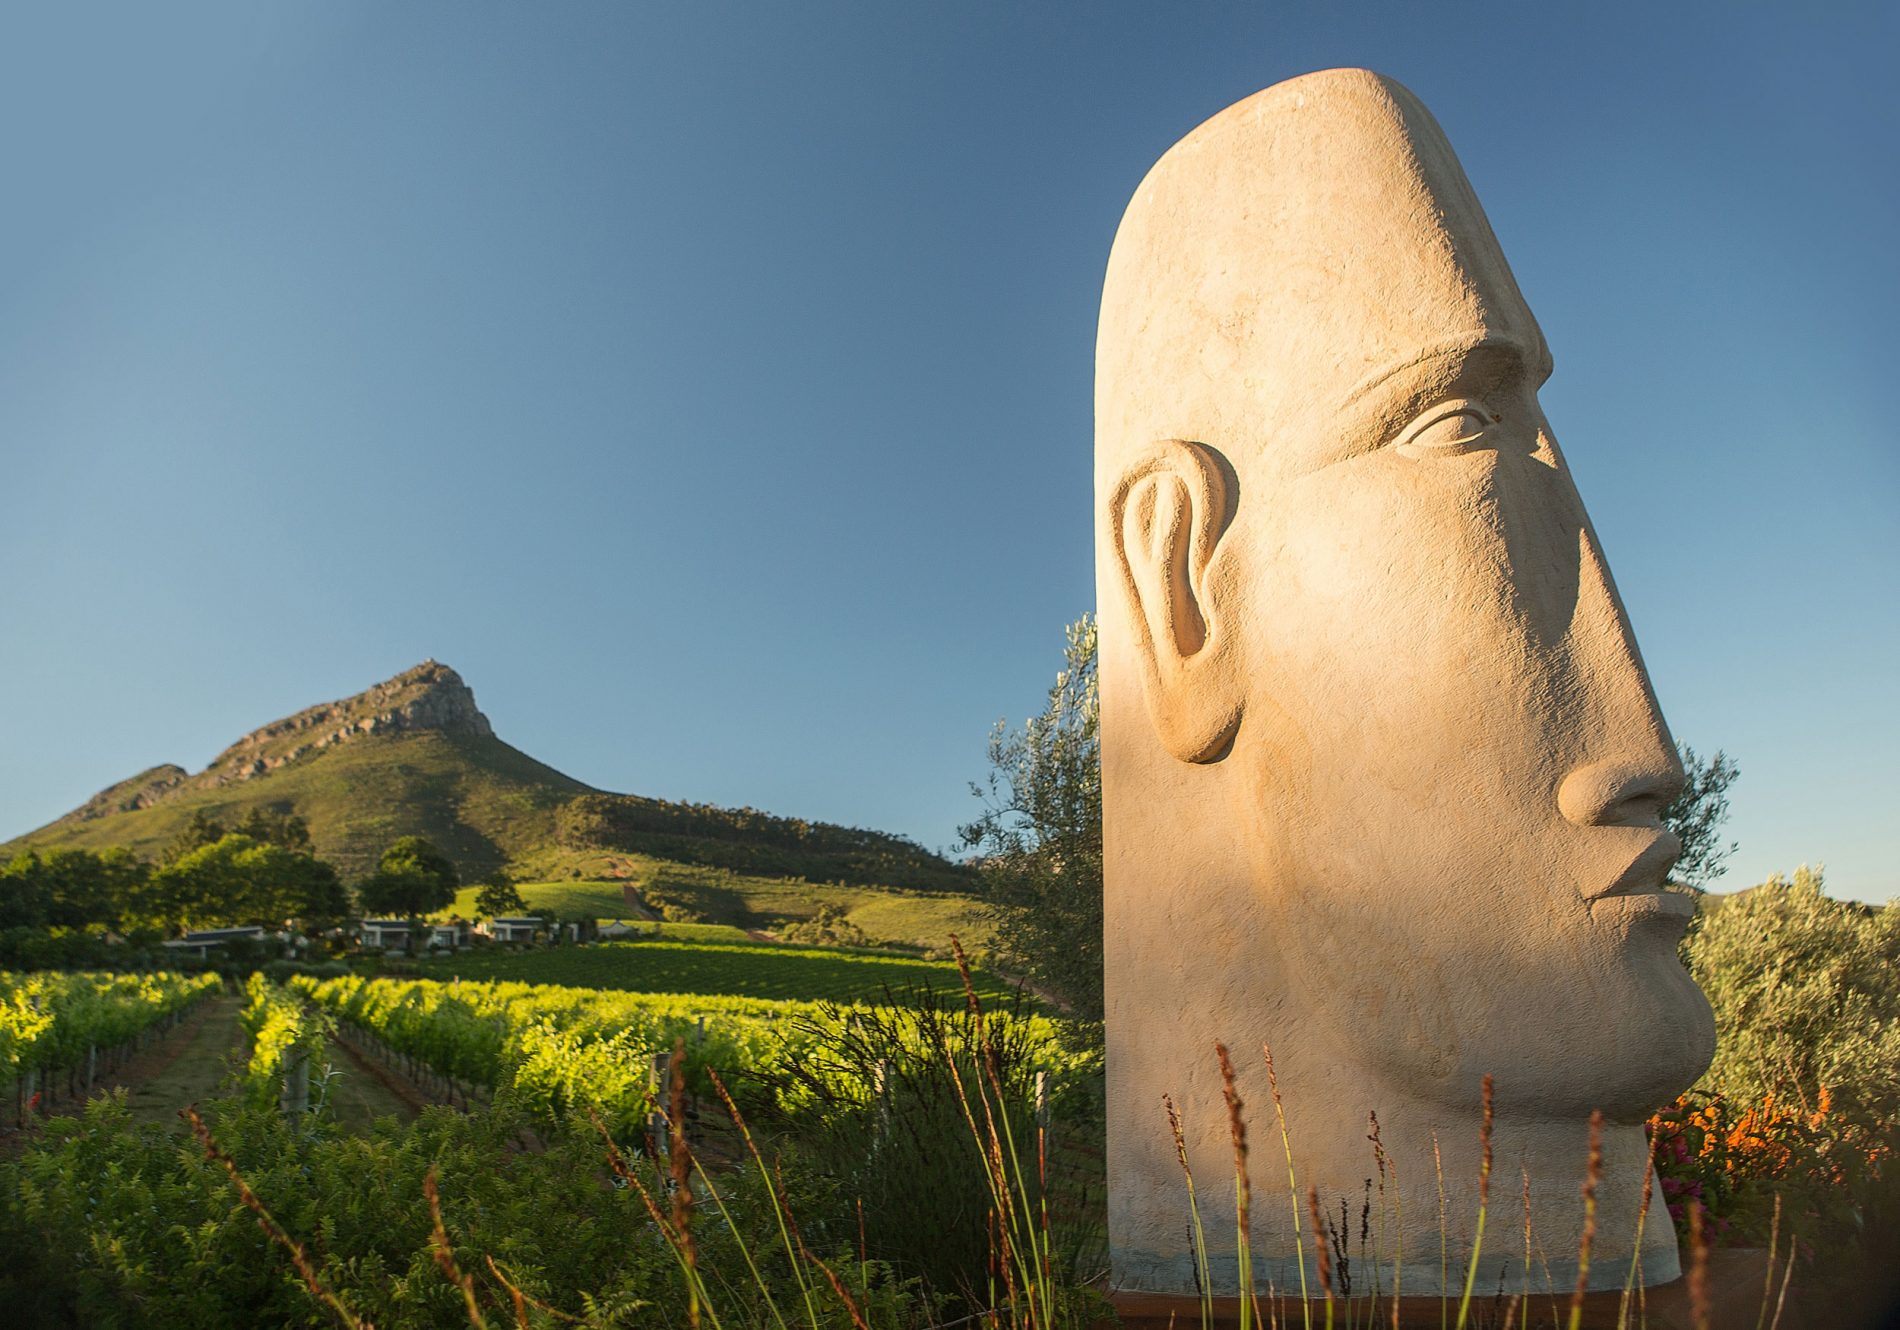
{"points": [[1646, 872]]}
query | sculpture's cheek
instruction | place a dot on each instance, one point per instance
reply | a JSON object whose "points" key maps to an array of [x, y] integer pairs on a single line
{"points": [[1435, 713]]}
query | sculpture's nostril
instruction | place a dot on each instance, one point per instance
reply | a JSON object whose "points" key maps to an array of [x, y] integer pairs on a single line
{"points": [[1612, 793]]}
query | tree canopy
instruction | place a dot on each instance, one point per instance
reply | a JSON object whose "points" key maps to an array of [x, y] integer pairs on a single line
{"points": [[69, 888], [1697, 814], [499, 899], [412, 879], [1804, 995], [238, 880], [1040, 835], [267, 826]]}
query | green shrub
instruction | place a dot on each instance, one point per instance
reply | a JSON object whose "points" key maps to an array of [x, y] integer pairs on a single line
{"points": [[1799, 1108], [1806, 992], [879, 1107], [106, 1225]]}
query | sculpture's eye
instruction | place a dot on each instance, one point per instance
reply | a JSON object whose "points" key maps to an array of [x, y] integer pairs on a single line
{"points": [[1450, 429]]}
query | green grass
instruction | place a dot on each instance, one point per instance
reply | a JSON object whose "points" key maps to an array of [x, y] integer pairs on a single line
{"points": [[717, 933], [764, 971], [739, 902], [196, 1065], [569, 900], [355, 1098]]}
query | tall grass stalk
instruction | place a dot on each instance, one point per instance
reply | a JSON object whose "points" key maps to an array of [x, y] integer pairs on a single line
{"points": [[1768, 1281], [1636, 1251], [1387, 1166], [1243, 1189], [698, 1301], [1550, 1282], [444, 1254], [1524, 1280], [745, 1248], [1591, 1175], [1484, 1202], [1023, 1258], [275, 1231], [771, 1190], [1787, 1278], [1698, 1267], [1292, 1186], [1194, 1216], [1322, 1252], [1444, 1254], [522, 1300], [679, 1160]]}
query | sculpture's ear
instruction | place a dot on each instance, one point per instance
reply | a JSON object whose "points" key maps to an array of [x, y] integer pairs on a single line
{"points": [[1165, 519]]}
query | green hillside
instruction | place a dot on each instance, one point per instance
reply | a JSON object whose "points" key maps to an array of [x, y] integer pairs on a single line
{"points": [[740, 902], [482, 801], [414, 756]]}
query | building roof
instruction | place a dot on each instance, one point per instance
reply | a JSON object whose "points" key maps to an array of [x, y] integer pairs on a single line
{"points": [[221, 934]]}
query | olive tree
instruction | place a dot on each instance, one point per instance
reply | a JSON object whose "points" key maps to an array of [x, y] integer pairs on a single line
{"points": [[1039, 838], [1697, 814]]}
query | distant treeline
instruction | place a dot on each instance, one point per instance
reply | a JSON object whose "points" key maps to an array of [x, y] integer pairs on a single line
{"points": [[748, 841]]}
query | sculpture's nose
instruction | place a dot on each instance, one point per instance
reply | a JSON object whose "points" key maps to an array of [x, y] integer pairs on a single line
{"points": [[1627, 771], [1616, 793]]}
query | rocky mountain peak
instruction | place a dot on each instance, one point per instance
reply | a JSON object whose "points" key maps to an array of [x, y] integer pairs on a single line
{"points": [[430, 696]]}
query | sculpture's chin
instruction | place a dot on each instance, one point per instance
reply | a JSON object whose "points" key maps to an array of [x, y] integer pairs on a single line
{"points": [[1641, 1049], [1680, 1035], [1626, 1036]]}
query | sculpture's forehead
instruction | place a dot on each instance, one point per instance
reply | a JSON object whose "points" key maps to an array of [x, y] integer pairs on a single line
{"points": [[1296, 245]]}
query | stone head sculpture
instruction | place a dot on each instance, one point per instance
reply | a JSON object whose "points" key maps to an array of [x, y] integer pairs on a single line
{"points": [[1382, 767]]}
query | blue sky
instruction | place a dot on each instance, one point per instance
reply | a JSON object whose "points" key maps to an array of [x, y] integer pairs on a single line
{"points": [[710, 384]]}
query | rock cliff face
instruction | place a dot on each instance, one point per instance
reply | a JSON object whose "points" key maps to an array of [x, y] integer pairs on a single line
{"points": [[429, 697], [141, 791]]}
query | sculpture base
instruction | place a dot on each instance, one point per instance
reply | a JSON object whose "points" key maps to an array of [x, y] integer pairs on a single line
{"points": [[1737, 1277]]}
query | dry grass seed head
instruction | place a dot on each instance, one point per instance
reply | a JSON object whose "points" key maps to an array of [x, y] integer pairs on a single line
{"points": [[1237, 1129], [1698, 1267], [1593, 1172], [1321, 1247], [1484, 1135]]}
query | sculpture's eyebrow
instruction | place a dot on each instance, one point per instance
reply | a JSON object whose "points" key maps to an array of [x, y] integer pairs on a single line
{"points": [[1468, 364], [1445, 359]]}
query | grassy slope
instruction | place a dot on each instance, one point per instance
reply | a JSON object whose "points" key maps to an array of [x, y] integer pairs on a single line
{"points": [[488, 805], [478, 798], [753, 970], [925, 919]]}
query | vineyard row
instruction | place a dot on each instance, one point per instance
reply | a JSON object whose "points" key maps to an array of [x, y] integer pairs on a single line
{"points": [[72, 1027]]}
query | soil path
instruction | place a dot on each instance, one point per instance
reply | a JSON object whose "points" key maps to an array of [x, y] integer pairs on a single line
{"points": [[190, 1066], [364, 1091], [200, 1058]]}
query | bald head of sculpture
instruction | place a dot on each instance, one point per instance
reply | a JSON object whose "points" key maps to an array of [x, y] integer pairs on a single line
{"points": [[1350, 598]]}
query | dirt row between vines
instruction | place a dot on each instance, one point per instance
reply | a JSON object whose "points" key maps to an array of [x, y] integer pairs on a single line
{"points": [[197, 1062]]}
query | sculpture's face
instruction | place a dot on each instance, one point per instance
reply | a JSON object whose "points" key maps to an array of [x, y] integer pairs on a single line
{"points": [[1403, 655], [1450, 759]]}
